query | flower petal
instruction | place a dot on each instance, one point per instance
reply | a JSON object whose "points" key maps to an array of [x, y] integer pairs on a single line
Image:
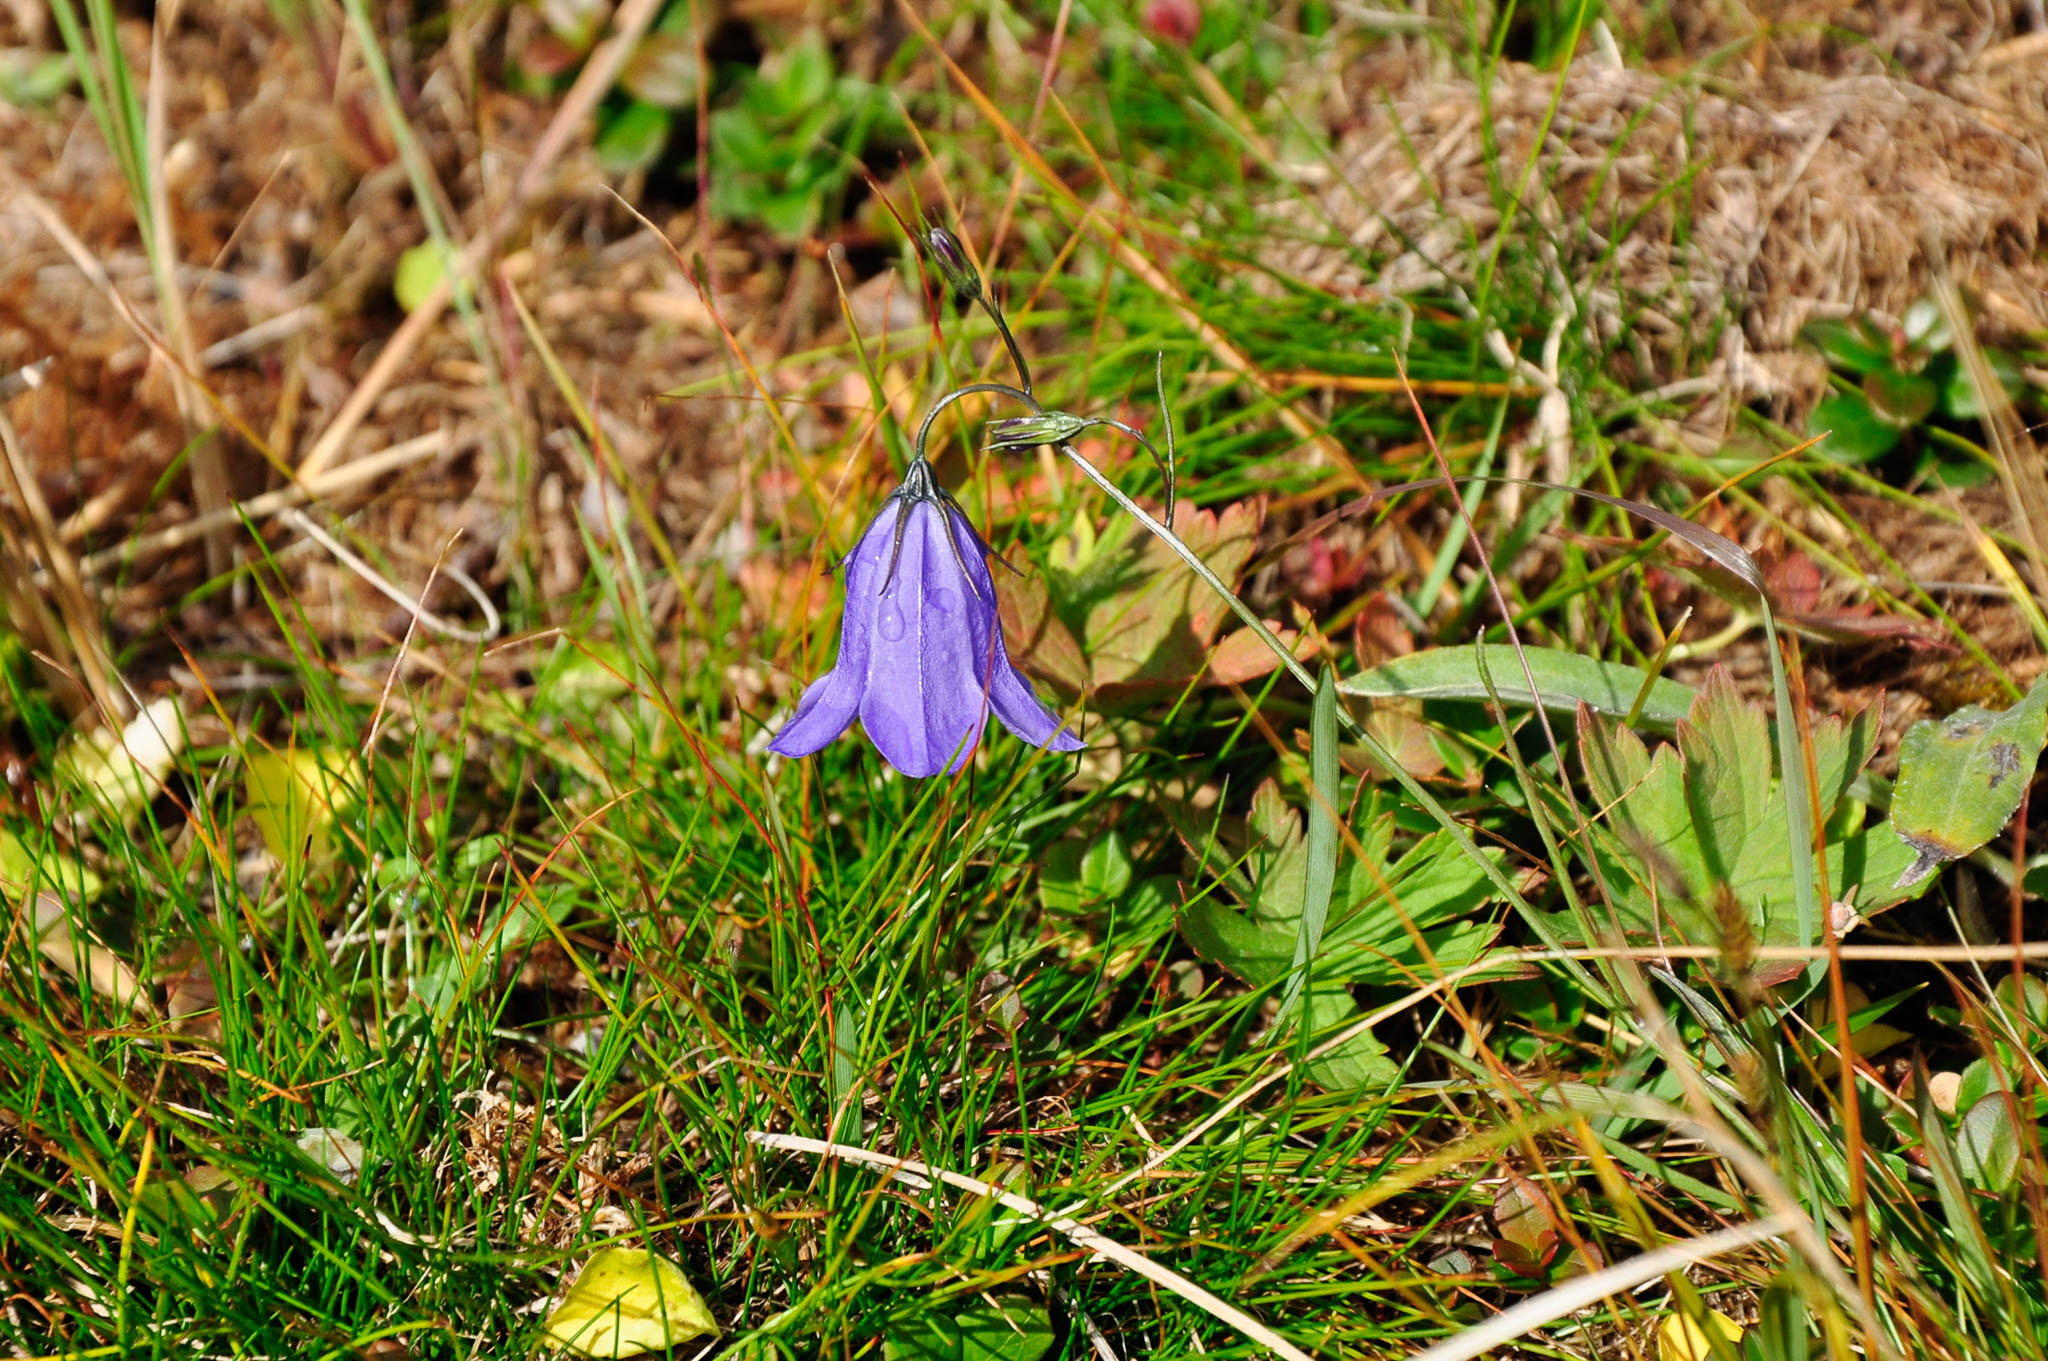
{"points": [[923, 708], [831, 701], [1010, 693]]}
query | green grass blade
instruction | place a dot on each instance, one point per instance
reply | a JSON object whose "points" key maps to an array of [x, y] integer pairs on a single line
{"points": [[1321, 878]]}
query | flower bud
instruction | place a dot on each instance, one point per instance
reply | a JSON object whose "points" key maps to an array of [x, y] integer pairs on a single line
{"points": [[954, 266], [1024, 432]]}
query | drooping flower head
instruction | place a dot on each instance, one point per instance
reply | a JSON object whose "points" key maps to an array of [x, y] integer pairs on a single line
{"points": [[921, 657]]}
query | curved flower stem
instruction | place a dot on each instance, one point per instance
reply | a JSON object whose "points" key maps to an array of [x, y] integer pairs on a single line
{"points": [[924, 428], [1165, 463], [1037, 408], [995, 314]]}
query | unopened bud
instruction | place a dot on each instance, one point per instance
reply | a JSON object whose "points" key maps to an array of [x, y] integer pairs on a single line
{"points": [[954, 266], [1025, 432]]}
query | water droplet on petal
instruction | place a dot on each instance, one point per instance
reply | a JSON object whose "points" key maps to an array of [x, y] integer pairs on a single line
{"points": [[891, 622], [942, 599]]}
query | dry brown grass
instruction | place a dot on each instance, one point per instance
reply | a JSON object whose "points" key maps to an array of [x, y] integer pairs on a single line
{"points": [[290, 209], [1781, 165]]}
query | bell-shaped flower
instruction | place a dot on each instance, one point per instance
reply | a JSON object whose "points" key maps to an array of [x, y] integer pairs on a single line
{"points": [[921, 656]]}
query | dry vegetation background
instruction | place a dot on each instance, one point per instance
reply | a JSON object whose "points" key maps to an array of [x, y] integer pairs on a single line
{"points": [[1803, 177]]}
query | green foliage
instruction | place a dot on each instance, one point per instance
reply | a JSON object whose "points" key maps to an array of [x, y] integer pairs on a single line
{"points": [[1394, 921], [1892, 381], [1693, 844], [657, 87], [1564, 681], [1002, 1328], [31, 80], [786, 146]]}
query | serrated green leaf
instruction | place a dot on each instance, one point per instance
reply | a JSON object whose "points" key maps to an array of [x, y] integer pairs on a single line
{"points": [[1726, 745], [1360, 1063], [1434, 888], [1706, 818]]}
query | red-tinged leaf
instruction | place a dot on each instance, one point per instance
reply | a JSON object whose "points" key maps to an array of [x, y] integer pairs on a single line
{"points": [[1243, 656], [1152, 631], [1517, 1259], [546, 56], [1380, 633], [1859, 626], [1795, 584], [1408, 740], [1521, 1215], [1904, 399]]}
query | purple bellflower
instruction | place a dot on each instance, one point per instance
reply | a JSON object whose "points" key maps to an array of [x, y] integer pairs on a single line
{"points": [[921, 656]]}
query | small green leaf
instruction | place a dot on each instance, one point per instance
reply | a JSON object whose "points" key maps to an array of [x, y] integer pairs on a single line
{"points": [[1359, 1064], [634, 138], [1959, 396], [30, 79], [1782, 1332], [1855, 433], [1564, 680], [420, 271], [1978, 1080], [1988, 1143], [2034, 1013], [1073, 879], [1852, 343], [294, 796], [1961, 778], [1923, 327], [27, 868]]}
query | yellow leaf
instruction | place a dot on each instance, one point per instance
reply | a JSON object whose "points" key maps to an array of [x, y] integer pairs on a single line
{"points": [[627, 1301], [1681, 1339], [294, 796]]}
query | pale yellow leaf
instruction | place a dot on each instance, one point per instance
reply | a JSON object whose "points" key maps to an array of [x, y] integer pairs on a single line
{"points": [[1680, 1338], [295, 796], [119, 773], [627, 1301]]}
